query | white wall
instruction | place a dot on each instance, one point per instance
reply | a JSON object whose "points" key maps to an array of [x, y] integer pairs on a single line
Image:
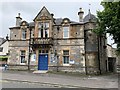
{"points": [[5, 46], [111, 51]]}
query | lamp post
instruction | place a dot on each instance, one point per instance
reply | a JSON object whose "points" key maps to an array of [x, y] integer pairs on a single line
{"points": [[29, 48]]}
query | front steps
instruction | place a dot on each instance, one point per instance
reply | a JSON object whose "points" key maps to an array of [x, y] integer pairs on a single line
{"points": [[40, 71]]}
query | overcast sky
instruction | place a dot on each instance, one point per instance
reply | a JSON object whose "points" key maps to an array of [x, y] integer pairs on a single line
{"points": [[30, 8]]}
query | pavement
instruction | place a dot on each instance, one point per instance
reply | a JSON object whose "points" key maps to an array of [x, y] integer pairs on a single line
{"points": [[103, 81]]}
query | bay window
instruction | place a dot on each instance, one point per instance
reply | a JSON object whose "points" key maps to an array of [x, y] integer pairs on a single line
{"points": [[43, 30]]}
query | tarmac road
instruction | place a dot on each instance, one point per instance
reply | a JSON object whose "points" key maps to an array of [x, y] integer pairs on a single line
{"points": [[6, 85], [30, 80], [16, 84]]}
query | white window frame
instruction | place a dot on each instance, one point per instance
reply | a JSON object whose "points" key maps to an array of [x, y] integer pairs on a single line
{"points": [[68, 31], [47, 29], [21, 56], [25, 32], [66, 64]]}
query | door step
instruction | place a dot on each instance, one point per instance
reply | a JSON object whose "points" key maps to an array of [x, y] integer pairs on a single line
{"points": [[40, 71]]}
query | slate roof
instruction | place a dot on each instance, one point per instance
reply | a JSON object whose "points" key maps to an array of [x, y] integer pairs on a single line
{"points": [[32, 24], [2, 40], [89, 17], [58, 21]]}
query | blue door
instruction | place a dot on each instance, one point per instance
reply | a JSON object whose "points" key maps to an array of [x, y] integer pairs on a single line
{"points": [[43, 62]]}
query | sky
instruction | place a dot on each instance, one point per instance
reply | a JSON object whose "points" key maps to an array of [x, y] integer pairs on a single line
{"points": [[9, 9]]}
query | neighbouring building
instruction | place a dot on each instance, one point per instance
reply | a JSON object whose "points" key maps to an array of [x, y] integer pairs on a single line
{"points": [[50, 43], [113, 59], [4, 45]]}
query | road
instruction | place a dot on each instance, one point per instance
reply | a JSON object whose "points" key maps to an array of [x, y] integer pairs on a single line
{"points": [[18, 79], [16, 84]]}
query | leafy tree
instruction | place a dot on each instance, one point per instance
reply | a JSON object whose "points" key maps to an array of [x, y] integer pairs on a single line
{"points": [[109, 20]]}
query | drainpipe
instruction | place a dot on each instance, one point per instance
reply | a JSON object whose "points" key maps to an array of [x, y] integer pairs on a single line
{"points": [[99, 53], [29, 49], [85, 53]]}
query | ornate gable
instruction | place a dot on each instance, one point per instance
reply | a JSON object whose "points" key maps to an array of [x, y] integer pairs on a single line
{"points": [[43, 14]]}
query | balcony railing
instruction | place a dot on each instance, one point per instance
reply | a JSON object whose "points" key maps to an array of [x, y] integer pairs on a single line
{"points": [[41, 41]]}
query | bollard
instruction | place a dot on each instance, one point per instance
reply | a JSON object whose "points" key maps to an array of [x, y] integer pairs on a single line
{"points": [[6, 66]]}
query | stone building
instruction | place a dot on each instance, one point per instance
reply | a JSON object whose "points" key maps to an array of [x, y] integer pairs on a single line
{"points": [[50, 43]]}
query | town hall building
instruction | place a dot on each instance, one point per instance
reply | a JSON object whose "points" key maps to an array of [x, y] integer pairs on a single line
{"points": [[60, 44]]}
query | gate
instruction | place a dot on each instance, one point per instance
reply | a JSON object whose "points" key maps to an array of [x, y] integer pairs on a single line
{"points": [[43, 62]]}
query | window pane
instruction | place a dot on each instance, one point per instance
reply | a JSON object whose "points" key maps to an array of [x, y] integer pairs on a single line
{"points": [[22, 52], [41, 31], [46, 25], [46, 51], [43, 51], [46, 33], [39, 51], [39, 25], [1, 49], [65, 52], [22, 56], [65, 32], [22, 59], [66, 59], [23, 34]]}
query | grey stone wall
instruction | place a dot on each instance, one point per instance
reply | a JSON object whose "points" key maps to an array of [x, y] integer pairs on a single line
{"points": [[91, 41], [14, 57], [19, 43]]}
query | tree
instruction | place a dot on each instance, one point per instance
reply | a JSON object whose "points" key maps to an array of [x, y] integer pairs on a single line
{"points": [[109, 20]]}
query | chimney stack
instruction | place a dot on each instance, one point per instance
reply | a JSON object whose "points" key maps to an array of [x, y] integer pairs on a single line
{"points": [[18, 20], [80, 13]]}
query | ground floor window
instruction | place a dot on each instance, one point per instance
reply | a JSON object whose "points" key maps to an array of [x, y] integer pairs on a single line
{"points": [[22, 56], [65, 56]]}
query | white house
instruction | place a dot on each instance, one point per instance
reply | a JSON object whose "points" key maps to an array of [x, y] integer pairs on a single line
{"points": [[4, 52]]}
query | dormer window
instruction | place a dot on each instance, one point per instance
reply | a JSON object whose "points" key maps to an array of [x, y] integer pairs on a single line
{"points": [[66, 32], [43, 30], [24, 33]]}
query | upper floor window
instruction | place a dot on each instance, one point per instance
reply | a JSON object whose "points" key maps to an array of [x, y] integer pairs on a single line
{"points": [[43, 30], [66, 32], [24, 34]]}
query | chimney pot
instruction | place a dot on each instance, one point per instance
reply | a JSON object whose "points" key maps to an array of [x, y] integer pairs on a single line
{"points": [[80, 13]]}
